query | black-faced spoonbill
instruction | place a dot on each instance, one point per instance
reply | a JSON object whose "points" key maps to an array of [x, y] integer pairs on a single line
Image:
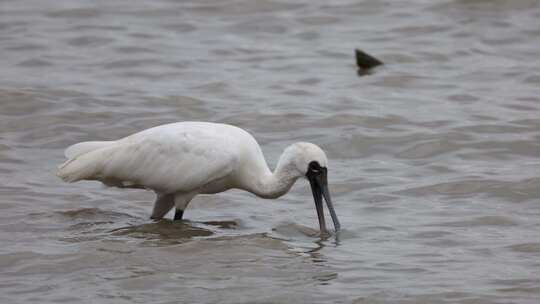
{"points": [[181, 160]]}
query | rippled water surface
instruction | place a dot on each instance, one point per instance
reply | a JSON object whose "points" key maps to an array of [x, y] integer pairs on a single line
{"points": [[434, 158]]}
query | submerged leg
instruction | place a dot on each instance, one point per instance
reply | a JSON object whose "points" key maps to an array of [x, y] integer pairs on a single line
{"points": [[181, 200], [163, 204]]}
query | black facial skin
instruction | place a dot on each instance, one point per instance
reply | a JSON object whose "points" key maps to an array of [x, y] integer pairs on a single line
{"points": [[318, 180]]}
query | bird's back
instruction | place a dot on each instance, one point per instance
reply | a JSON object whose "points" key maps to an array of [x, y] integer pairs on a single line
{"points": [[168, 158]]}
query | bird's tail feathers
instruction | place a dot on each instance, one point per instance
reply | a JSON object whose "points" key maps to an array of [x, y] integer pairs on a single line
{"points": [[84, 161], [69, 171]]}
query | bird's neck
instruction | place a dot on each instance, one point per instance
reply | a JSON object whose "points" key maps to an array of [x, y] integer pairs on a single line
{"points": [[277, 183]]}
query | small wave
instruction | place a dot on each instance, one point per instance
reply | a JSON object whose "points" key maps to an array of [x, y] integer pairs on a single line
{"points": [[494, 220], [91, 213], [518, 191], [526, 247]]}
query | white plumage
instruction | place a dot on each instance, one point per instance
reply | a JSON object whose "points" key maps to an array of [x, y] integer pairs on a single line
{"points": [[181, 160]]}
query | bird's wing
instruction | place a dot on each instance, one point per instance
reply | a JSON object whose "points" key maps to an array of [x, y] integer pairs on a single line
{"points": [[166, 160]]}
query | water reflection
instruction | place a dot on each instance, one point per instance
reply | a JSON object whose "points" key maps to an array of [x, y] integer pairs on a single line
{"points": [[165, 230], [434, 158]]}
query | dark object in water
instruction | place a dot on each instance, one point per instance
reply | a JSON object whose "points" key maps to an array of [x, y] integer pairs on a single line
{"points": [[365, 61]]}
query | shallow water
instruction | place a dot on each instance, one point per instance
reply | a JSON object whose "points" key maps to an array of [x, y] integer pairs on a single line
{"points": [[434, 158]]}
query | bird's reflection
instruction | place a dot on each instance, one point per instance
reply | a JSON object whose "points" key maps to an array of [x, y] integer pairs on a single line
{"points": [[310, 241], [324, 241], [317, 257]]}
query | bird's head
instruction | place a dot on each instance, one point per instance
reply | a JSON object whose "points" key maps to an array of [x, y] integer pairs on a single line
{"points": [[311, 163]]}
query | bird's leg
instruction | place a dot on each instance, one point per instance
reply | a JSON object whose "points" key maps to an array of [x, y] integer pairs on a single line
{"points": [[181, 200], [163, 204], [178, 214]]}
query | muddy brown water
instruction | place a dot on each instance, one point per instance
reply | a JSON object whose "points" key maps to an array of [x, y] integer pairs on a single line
{"points": [[434, 157]]}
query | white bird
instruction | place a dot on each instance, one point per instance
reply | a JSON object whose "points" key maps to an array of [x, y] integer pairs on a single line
{"points": [[180, 160]]}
